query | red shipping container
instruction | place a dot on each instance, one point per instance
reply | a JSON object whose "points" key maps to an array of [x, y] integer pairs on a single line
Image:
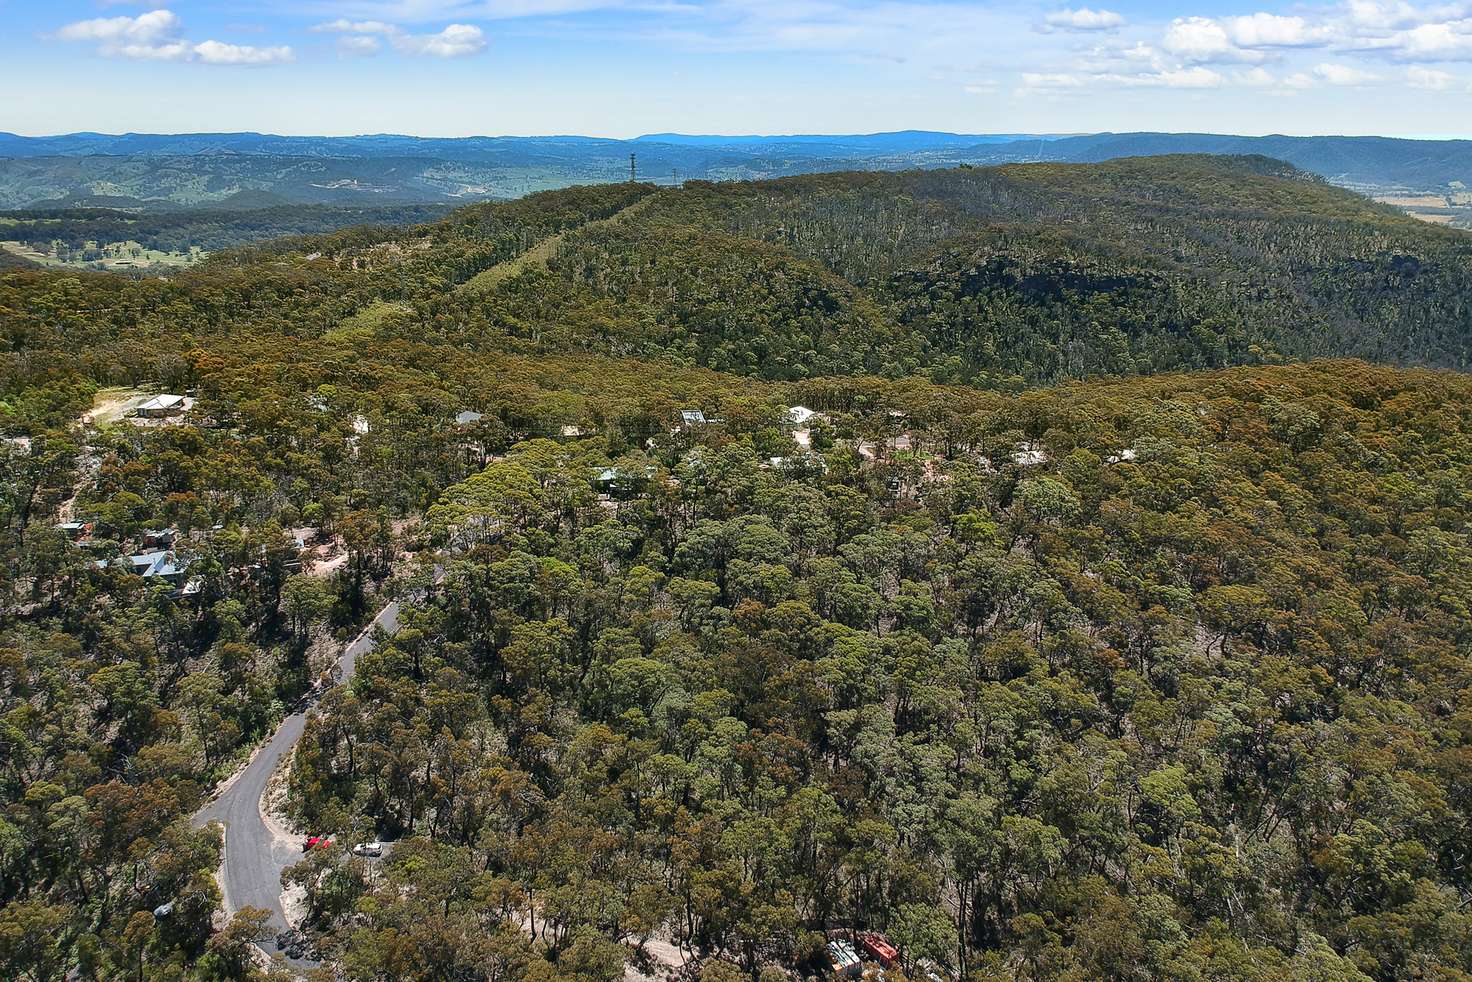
{"points": [[879, 948]]}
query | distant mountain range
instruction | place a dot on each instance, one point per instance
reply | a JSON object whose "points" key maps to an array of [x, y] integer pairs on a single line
{"points": [[247, 170]]}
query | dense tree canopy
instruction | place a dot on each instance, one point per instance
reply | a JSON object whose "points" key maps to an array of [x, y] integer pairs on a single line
{"points": [[1160, 672]]}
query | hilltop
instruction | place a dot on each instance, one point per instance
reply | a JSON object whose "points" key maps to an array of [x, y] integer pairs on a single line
{"points": [[991, 276]]}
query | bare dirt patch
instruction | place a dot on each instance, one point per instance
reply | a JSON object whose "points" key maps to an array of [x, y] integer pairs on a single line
{"points": [[111, 405], [1413, 201]]}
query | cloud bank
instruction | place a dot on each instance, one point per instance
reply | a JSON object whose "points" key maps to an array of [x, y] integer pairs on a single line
{"points": [[155, 36]]}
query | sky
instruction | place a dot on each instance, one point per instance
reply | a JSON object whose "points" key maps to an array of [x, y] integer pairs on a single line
{"points": [[621, 68]]}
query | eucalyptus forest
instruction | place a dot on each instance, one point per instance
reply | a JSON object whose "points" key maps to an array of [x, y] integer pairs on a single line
{"points": [[1062, 571]]}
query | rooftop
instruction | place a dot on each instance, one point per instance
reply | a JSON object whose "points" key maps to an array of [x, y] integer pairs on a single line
{"points": [[162, 402]]}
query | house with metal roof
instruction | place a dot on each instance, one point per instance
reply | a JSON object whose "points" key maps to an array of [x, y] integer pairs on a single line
{"points": [[161, 407], [846, 961], [164, 565]]}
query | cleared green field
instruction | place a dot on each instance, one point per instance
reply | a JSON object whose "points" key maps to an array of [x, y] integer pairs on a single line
{"points": [[111, 255]]}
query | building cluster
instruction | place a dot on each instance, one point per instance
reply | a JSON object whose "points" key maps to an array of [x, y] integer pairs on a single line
{"points": [[869, 954], [165, 556]]}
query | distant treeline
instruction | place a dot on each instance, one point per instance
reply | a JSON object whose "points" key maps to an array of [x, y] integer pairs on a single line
{"points": [[209, 229]]}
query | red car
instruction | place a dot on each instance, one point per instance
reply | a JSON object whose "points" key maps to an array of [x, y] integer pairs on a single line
{"points": [[316, 842], [877, 947]]}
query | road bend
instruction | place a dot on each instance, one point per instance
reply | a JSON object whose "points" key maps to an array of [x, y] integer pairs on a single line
{"points": [[254, 854]]}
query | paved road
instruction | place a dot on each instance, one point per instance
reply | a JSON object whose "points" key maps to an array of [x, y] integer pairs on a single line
{"points": [[254, 859]]}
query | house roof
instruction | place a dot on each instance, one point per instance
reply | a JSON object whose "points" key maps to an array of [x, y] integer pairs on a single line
{"points": [[467, 416], [150, 564], [800, 414], [162, 402], [842, 953]]}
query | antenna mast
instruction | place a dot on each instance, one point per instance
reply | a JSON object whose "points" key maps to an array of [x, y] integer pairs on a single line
{"points": [[633, 171]]}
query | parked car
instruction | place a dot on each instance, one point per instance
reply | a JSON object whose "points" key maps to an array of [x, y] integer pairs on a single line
{"points": [[368, 849], [316, 842], [163, 910]]}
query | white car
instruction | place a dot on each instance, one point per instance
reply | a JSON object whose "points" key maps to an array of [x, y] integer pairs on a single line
{"points": [[368, 849]]}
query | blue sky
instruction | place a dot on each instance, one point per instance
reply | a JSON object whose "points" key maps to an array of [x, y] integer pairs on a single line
{"points": [[624, 67]]}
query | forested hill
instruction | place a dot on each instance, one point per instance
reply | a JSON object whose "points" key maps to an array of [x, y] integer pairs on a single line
{"points": [[1134, 678], [993, 276]]}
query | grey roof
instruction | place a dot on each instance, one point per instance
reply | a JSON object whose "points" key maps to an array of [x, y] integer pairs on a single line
{"points": [[162, 402], [151, 564], [468, 416]]}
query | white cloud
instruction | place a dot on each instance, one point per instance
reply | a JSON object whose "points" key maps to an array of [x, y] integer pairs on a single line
{"points": [[427, 11], [122, 30], [1241, 39], [455, 41], [1272, 31], [344, 26], [1431, 79], [1450, 41], [1201, 39], [154, 36], [359, 44], [1045, 81], [1194, 77], [165, 51], [1083, 19], [1375, 16], [1139, 51], [220, 53], [1344, 75], [1256, 78], [1359, 29]]}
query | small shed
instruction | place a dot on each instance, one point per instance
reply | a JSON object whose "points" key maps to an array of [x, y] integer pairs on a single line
{"points": [[846, 962], [76, 531], [163, 538], [800, 415]]}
